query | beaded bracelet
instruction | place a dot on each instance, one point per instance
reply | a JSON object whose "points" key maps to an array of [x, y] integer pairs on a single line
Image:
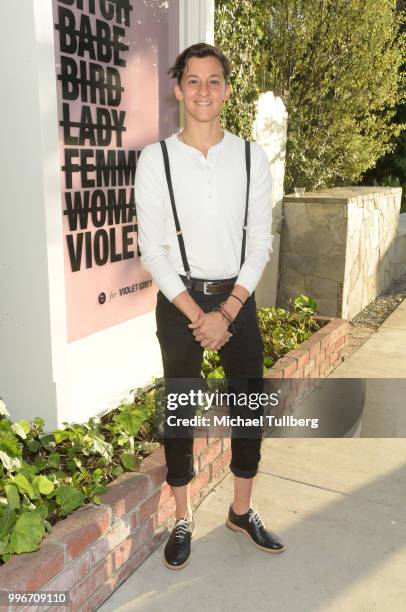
{"points": [[226, 317], [226, 313]]}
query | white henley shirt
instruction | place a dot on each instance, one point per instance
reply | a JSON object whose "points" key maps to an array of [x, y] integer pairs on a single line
{"points": [[210, 202]]}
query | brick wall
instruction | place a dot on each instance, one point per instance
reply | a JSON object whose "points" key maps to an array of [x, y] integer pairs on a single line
{"points": [[301, 369], [96, 548], [318, 355]]}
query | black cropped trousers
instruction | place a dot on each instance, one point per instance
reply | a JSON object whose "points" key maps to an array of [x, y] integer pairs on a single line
{"points": [[242, 361]]}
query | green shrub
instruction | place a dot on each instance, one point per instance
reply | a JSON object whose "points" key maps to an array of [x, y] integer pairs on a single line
{"points": [[338, 66], [281, 331], [238, 33], [46, 476]]}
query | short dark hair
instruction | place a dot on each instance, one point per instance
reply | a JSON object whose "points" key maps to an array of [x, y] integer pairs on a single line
{"points": [[198, 50]]}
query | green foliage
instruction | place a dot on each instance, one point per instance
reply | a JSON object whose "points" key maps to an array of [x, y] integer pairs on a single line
{"points": [[211, 367], [336, 65], [46, 476], [238, 33], [281, 331], [27, 532], [390, 170]]}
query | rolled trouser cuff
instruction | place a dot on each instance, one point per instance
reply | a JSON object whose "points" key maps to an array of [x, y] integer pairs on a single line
{"points": [[181, 481], [243, 473]]}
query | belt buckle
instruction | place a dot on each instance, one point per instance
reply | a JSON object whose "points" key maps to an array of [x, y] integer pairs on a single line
{"points": [[211, 283]]}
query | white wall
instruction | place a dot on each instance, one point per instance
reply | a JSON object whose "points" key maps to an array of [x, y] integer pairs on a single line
{"points": [[40, 373], [26, 383], [270, 131], [196, 22]]}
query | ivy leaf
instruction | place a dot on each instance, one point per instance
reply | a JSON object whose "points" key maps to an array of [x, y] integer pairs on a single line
{"points": [[24, 486], [69, 498], [117, 471], [39, 423], [59, 475], [8, 518], [11, 464], [41, 464], [130, 460], [94, 422], [77, 461], [71, 465], [27, 534], [34, 445], [3, 409], [149, 447], [29, 470], [60, 435], [21, 428], [54, 460], [48, 441], [10, 444], [130, 422], [4, 543], [43, 485], [42, 510], [97, 475], [102, 447], [13, 497]]}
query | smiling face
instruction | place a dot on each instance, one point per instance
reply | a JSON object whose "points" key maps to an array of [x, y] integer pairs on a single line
{"points": [[203, 89]]}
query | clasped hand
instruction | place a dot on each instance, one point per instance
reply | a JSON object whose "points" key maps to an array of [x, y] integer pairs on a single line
{"points": [[211, 330]]}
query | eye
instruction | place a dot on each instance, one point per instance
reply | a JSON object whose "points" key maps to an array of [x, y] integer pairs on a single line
{"points": [[215, 82], [192, 81]]}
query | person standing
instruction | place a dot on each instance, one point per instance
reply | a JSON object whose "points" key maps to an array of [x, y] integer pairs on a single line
{"points": [[204, 216]]}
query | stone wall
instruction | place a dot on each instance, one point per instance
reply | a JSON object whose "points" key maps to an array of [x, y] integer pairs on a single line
{"points": [[341, 247]]}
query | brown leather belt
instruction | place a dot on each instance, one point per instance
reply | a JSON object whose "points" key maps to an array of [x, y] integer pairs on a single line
{"points": [[209, 287]]}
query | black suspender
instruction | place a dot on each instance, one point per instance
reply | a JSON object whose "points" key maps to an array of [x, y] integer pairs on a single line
{"points": [[175, 214], [248, 169]]}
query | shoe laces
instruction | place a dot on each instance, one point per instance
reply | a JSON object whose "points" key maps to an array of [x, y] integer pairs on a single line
{"points": [[255, 518], [181, 527]]}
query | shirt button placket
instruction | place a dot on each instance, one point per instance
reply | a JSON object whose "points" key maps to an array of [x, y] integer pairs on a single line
{"points": [[207, 169]]}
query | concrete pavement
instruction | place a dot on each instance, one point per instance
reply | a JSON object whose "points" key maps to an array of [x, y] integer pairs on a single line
{"points": [[381, 361], [338, 504], [383, 355]]}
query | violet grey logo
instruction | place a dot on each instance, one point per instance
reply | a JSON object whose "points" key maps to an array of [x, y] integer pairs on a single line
{"points": [[135, 287]]}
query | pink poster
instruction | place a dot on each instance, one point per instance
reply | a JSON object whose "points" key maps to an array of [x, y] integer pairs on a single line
{"points": [[114, 97]]}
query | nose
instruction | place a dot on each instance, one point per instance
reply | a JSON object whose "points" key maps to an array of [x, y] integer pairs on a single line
{"points": [[203, 88]]}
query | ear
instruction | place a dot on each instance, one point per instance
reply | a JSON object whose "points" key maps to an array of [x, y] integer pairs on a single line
{"points": [[178, 92], [227, 92]]}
